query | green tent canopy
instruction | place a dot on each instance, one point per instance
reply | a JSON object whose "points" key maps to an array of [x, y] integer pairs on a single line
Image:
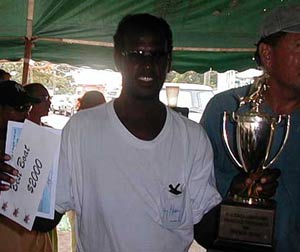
{"points": [[208, 34]]}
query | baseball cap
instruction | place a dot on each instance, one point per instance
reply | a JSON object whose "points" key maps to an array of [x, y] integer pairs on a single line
{"points": [[14, 94], [281, 19]]}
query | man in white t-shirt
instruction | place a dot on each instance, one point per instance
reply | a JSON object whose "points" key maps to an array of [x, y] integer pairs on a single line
{"points": [[138, 175]]}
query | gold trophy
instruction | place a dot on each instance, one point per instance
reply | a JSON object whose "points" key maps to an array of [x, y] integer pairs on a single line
{"points": [[246, 219]]}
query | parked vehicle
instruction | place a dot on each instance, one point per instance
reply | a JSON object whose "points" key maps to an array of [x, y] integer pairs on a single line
{"points": [[62, 105], [192, 96]]}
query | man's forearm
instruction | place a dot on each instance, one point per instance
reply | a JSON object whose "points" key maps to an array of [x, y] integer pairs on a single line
{"points": [[205, 232]]}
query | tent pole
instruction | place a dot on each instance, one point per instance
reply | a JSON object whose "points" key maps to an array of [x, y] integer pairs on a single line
{"points": [[28, 41], [27, 57]]}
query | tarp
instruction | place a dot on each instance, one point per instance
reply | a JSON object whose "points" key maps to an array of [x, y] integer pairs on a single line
{"points": [[214, 34]]}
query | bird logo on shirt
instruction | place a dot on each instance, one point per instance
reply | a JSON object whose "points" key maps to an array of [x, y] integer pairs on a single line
{"points": [[174, 190]]}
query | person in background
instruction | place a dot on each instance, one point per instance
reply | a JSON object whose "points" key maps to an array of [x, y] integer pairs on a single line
{"points": [[278, 53], [4, 75], [39, 91], [90, 99], [15, 105], [138, 174], [41, 109]]}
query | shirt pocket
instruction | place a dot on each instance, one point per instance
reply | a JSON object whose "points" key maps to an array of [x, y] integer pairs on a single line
{"points": [[172, 208]]}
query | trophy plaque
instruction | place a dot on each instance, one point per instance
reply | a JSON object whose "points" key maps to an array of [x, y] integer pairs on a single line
{"points": [[246, 219]]}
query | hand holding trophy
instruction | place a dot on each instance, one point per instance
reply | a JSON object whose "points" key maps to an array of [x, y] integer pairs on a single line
{"points": [[265, 187], [247, 216]]}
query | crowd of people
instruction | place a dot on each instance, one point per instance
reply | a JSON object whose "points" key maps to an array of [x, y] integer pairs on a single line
{"points": [[141, 177]]}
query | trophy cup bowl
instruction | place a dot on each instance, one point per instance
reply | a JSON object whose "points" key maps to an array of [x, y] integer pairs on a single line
{"points": [[246, 219], [254, 137]]}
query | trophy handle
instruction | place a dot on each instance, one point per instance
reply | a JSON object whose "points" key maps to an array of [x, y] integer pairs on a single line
{"points": [[225, 137], [287, 131]]}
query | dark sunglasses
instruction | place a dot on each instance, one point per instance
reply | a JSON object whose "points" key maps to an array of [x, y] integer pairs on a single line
{"points": [[23, 108], [139, 55]]}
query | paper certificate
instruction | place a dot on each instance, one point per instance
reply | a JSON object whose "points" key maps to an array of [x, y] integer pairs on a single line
{"points": [[34, 151]]}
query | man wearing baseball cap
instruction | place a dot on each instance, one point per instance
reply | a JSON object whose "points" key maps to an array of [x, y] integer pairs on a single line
{"points": [[282, 19], [15, 104], [278, 54]]}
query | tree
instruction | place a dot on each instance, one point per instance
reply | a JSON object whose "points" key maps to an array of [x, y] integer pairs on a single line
{"points": [[187, 77], [56, 77]]}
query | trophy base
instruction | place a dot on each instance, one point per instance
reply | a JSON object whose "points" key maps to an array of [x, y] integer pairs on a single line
{"points": [[246, 227], [234, 246]]}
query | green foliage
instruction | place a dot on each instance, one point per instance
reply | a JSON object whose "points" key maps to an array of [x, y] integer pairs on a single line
{"points": [[57, 78], [213, 82], [209, 78], [64, 224], [187, 77]]}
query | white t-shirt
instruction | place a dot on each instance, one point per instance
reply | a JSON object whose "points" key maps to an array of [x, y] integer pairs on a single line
{"points": [[119, 185]]}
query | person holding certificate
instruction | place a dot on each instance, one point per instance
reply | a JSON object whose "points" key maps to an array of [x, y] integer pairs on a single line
{"points": [[15, 105], [39, 91]]}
